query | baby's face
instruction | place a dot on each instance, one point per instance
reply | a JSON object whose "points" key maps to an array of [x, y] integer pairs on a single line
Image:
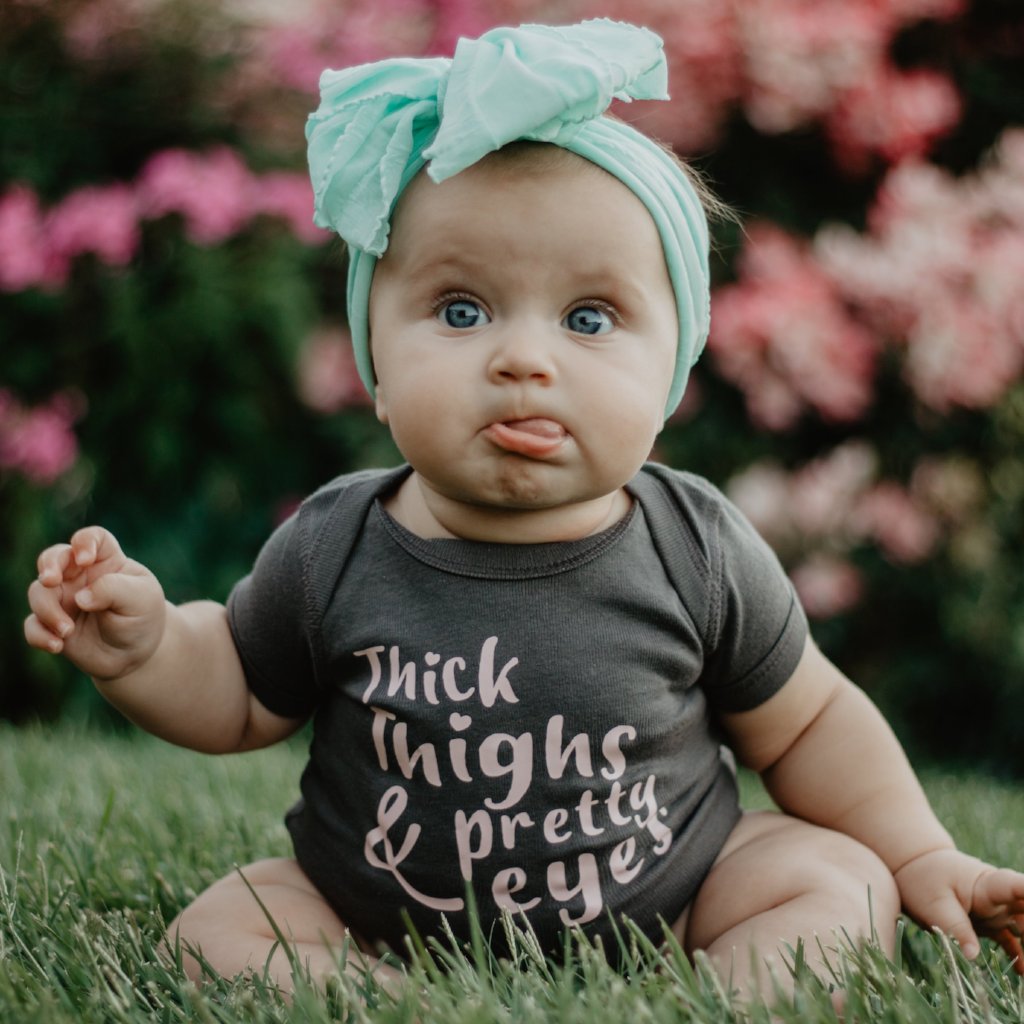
{"points": [[524, 334]]}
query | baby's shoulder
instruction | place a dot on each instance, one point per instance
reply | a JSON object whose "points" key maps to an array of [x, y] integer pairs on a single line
{"points": [[688, 512], [346, 498], [684, 487]]}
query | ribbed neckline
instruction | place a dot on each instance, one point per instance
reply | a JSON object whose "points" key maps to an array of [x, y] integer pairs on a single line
{"points": [[483, 560]]}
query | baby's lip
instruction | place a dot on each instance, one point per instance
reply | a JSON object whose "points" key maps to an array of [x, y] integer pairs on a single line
{"points": [[536, 437]]}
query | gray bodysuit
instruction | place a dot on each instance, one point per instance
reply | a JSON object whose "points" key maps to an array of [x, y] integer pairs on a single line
{"points": [[534, 723]]}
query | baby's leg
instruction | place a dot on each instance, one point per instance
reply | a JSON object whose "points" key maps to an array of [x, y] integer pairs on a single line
{"points": [[232, 933], [777, 880]]}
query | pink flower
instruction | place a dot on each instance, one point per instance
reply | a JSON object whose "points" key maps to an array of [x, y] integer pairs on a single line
{"points": [[453, 19], [815, 516], [905, 531], [103, 221], [810, 507], [763, 491], [213, 191], [961, 355], [939, 275], [892, 114], [26, 258], [784, 337], [915, 10], [96, 28], [289, 197], [827, 585], [825, 490], [38, 442], [705, 65], [328, 380], [799, 54], [338, 36], [952, 488]]}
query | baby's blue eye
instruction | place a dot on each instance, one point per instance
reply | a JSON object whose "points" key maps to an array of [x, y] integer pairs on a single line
{"points": [[588, 320], [463, 313]]}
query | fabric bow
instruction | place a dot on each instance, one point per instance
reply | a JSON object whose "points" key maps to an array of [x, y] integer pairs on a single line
{"points": [[379, 123]]}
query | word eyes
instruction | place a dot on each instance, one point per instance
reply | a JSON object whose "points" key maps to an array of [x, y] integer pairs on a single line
{"points": [[588, 320], [463, 313]]}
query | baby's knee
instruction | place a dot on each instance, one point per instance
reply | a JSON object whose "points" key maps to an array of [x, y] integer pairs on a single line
{"points": [[815, 877], [226, 909], [842, 868]]}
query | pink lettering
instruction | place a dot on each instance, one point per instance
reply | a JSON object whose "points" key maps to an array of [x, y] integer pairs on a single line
{"points": [[557, 758], [380, 722], [641, 797], [401, 675], [613, 752], [425, 753], [464, 827], [448, 680], [375, 669], [509, 826], [390, 809], [519, 765], [491, 688], [457, 747], [507, 882], [554, 820], [614, 800], [430, 677], [618, 862], [589, 887], [585, 809]]}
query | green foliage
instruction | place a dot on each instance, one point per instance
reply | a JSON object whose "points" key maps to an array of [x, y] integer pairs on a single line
{"points": [[106, 838], [193, 439]]}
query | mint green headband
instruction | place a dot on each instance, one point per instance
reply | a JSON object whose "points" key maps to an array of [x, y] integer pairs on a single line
{"points": [[379, 124]]}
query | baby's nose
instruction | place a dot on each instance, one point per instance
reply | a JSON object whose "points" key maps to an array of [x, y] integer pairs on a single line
{"points": [[523, 353]]}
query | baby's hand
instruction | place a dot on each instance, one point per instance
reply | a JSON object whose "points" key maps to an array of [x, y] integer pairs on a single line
{"points": [[100, 609], [965, 897]]}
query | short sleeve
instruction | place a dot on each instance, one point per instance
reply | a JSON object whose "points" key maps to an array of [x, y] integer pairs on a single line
{"points": [[267, 617], [761, 629]]}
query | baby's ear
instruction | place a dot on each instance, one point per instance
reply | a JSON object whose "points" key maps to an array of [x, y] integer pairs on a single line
{"points": [[380, 404]]}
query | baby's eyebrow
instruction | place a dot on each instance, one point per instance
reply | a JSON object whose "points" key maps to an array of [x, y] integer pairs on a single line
{"points": [[614, 283], [432, 268]]}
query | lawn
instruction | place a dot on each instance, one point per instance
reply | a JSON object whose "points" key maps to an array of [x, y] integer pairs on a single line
{"points": [[104, 837]]}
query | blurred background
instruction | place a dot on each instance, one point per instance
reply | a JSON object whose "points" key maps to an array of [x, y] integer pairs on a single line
{"points": [[174, 360]]}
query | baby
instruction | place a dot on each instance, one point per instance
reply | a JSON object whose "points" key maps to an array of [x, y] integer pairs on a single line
{"points": [[523, 650]]}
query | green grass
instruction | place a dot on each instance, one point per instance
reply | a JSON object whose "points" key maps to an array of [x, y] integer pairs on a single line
{"points": [[103, 838]]}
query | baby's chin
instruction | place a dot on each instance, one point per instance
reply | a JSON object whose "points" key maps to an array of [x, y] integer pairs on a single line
{"points": [[519, 509]]}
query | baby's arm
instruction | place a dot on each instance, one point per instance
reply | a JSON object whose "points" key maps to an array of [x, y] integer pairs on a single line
{"points": [[172, 669], [827, 755]]}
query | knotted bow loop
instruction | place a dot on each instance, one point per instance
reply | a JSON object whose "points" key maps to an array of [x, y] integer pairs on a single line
{"points": [[378, 123], [366, 142], [540, 83]]}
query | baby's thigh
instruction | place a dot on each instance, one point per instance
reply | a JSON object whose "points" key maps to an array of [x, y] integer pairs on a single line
{"points": [[235, 920], [774, 864]]}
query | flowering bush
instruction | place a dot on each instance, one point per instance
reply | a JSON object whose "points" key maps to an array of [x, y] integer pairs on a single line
{"points": [[175, 362], [784, 337], [214, 192], [38, 442], [939, 274]]}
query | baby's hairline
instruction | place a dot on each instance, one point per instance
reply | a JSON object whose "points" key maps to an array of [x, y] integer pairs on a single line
{"points": [[533, 156]]}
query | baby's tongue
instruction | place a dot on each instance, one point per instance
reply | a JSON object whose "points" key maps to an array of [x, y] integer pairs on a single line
{"points": [[536, 426], [535, 437]]}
